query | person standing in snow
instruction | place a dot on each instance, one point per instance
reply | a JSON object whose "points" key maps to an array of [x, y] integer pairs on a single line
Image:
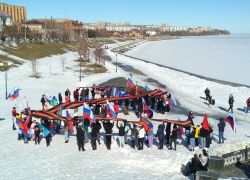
{"points": [[94, 131], [116, 108], [60, 98], [204, 159], [221, 127], [168, 131], [203, 135], [150, 135], [126, 107], [134, 134], [97, 94], [160, 135], [197, 130], [121, 134], [43, 101], [102, 92], [83, 94], [248, 104], [76, 95], [80, 137], [209, 100], [192, 139], [141, 138], [13, 114], [126, 131], [66, 131], [191, 117], [32, 127], [108, 93], [99, 126], [37, 134], [108, 129], [173, 137], [231, 102], [25, 129], [207, 93]]}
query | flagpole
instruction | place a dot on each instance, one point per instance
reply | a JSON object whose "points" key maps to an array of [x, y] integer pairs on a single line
{"points": [[17, 104]]}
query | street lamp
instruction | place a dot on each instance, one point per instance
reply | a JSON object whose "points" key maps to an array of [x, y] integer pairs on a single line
{"points": [[5, 66], [116, 61], [80, 59]]}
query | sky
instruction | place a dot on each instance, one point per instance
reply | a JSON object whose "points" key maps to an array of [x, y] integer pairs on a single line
{"points": [[232, 15]]}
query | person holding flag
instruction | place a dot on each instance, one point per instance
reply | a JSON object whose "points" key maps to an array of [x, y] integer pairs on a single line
{"points": [[173, 137], [221, 126], [160, 134], [108, 126]]}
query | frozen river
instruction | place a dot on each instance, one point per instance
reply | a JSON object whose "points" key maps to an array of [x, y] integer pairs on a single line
{"points": [[225, 58]]}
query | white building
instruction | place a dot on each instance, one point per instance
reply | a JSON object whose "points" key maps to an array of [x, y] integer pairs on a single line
{"points": [[151, 33], [5, 20]]}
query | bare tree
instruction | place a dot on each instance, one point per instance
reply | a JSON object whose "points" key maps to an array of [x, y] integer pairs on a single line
{"points": [[82, 47], [99, 53], [63, 61], [34, 63]]}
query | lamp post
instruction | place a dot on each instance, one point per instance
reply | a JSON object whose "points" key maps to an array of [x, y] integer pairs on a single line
{"points": [[116, 61], [5, 66], [80, 59]]}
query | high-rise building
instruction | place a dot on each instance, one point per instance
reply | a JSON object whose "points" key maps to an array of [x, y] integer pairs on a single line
{"points": [[18, 13]]}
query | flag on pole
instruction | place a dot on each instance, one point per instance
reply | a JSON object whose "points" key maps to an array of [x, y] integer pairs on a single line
{"points": [[19, 125], [146, 88], [87, 113], [14, 93], [231, 120], [205, 124], [131, 82], [146, 108], [116, 92], [110, 111], [44, 129], [145, 122]]}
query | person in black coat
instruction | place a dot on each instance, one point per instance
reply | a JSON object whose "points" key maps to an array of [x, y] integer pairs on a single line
{"points": [[47, 125], [208, 138], [108, 129], [221, 127], [196, 165], [168, 131], [93, 93], [159, 105], [173, 137], [108, 93], [37, 133], [60, 98], [95, 129], [97, 109], [203, 134], [80, 137], [207, 93], [140, 107], [126, 107], [231, 102], [99, 126], [43, 100], [150, 101]]}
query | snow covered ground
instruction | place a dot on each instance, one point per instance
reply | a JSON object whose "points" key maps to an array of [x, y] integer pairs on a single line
{"points": [[60, 160], [220, 57]]}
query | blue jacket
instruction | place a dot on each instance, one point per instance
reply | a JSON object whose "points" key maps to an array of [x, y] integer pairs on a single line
{"points": [[160, 132], [150, 132]]}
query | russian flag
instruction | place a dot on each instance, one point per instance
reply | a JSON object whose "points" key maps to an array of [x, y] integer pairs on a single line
{"points": [[87, 113], [146, 108], [14, 93], [48, 97], [131, 82], [110, 111], [231, 120], [167, 102], [116, 92], [172, 102]]}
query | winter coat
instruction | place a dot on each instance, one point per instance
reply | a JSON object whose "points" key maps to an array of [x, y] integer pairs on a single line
{"points": [[25, 125], [104, 111], [160, 132], [141, 133], [37, 131], [168, 128], [221, 125], [197, 132], [86, 124], [32, 127], [174, 133], [108, 127], [116, 108], [67, 93], [126, 102], [121, 129], [207, 92], [76, 94], [43, 100], [248, 102], [102, 92], [87, 91], [99, 126], [150, 132], [231, 101], [60, 98], [140, 105], [13, 113], [134, 133], [196, 165], [203, 132], [83, 92], [108, 92], [94, 131], [150, 101], [191, 135], [66, 126], [24, 103], [47, 124], [97, 94], [93, 92], [191, 117], [97, 109], [80, 133], [204, 159]]}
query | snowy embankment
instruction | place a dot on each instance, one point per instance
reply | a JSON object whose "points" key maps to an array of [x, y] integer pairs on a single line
{"points": [[62, 160]]}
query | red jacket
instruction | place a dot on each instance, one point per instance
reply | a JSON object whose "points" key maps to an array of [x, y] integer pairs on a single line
{"points": [[25, 126], [116, 108], [13, 113]]}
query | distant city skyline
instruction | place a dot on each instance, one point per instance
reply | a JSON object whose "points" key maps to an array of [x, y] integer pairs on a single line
{"points": [[231, 15]]}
